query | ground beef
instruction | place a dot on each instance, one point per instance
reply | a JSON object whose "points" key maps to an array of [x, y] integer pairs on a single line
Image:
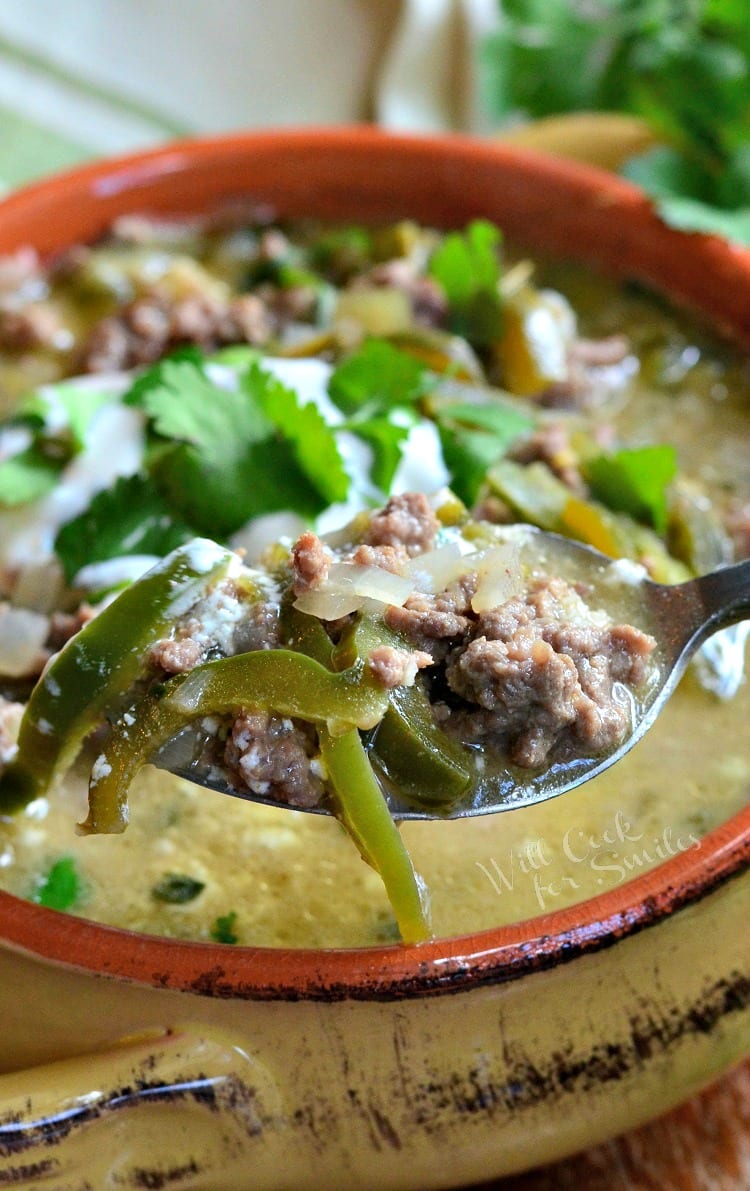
{"points": [[407, 520], [541, 675], [64, 625], [397, 667], [20, 271], [176, 655], [311, 561], [31, 326], [429, 619], [147, 329], [388, 558], [274, 758], [491, 508]]}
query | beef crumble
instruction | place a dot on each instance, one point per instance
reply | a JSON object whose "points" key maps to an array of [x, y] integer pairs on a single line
{"points": [[407, 521], [275, 758], [541, 674]]}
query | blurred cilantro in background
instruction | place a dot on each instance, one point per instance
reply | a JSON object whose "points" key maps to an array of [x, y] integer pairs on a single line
{"points": [[683, 66]]}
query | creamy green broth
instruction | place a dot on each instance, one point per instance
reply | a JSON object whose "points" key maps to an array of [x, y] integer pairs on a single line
{"points": [[294, 879], [284, 878]]}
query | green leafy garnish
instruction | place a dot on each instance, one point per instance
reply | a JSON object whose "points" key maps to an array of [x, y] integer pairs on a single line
{"points": [[176, 889], [386, 440], [379, 388], [635, 481], [473, 438], [683, 68], [27, 476], [377, 378], [62, 886], [129, 518], [223, 930], [63, 414], [467, 266], [58, 418], [224, 455]]}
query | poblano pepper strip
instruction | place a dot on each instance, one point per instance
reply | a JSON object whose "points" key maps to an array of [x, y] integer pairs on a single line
{"points": [[415, 754], [286, 683], [99, 663], [272, 680], [365, 815]]}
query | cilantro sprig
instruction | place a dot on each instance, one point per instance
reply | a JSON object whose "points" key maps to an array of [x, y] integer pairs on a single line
{"points": [[682, 67], [474, 436], [131, 517], [467, 266], [635, 480], [385, 390], [219, 453], [61, 888], [380, 389]]}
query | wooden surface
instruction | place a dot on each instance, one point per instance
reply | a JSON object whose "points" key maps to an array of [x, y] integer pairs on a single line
{"points": [[702, 1146]]}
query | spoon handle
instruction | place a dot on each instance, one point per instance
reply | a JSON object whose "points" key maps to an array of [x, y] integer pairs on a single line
{"points": [[725, 596], [686, 614]]}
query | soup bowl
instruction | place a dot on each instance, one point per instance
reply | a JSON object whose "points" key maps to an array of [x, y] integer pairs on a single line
{"points": [[131, 1060]]}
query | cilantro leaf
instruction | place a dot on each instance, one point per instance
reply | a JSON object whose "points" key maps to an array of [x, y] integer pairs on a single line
{"points": [[304, 427], [27, 476], [498, 417], [63, 413], [223, 929], [689, 215], [676, 185], [386, 439], [473, 437], [635, 481], [467, 266], [372, 385], [58, 419], [160, 373], [61, 888], [221, 459], [129, 518], [376, 379]]}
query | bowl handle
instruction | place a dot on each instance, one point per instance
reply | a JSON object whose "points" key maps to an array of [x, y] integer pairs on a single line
{"points": [[179, 1107]]}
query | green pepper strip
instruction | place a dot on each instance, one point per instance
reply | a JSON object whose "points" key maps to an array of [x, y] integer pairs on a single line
{"points": [[273, 680], [365, 815], [302, 687], [292, 684], [413, 752], [539, 497], [98, 664]]}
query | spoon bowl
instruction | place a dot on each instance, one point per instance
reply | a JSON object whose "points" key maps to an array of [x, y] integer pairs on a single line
{"points": [[679, 616]]}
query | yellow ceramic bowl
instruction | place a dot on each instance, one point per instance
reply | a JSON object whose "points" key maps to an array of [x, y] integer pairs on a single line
{"points": [[140, 1062]]}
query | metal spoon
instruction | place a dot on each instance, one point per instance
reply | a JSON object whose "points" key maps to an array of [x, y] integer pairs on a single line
{"points": [[681, 617]]}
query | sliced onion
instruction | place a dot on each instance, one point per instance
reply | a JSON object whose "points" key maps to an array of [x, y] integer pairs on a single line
{"points": [[500, 576], [375, 583], [435, 570], [22, 637], [348, 585]]}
